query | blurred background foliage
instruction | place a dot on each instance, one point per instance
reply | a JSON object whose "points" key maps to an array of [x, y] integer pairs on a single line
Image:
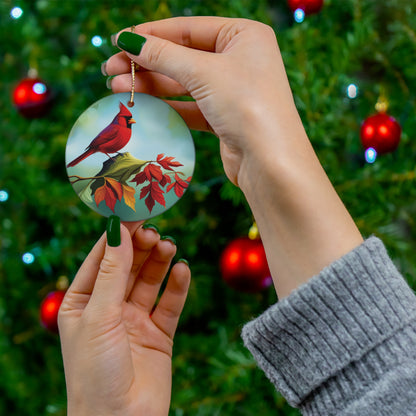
{"points": [[366, 42]]}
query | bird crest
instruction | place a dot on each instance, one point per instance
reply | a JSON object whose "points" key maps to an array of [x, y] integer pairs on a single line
{"points": [[124, 111]]}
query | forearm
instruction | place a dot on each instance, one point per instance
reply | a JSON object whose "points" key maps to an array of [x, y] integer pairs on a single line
{"points": [[303, 223], [343, 343]]}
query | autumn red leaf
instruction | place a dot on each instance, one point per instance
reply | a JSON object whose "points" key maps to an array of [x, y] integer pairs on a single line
{"points": [[166, 179], [116, 186], [145, 190], [139, 178], [167, 162], [110, 192], [153, 174], [179, 185], [154, 171], [150, 172], [150, 203], [154, 194], [180, 181], [157, 194], [179, 190]]}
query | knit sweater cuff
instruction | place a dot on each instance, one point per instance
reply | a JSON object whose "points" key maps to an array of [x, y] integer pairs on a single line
{"points": [[319, 338]]}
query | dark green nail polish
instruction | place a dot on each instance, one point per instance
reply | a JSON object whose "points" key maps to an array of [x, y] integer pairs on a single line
{"points": [[150, 227], [104, 69], [131, 42], [114, 39], [184, 261], [113, 231], [168, 237], [108, 82]]}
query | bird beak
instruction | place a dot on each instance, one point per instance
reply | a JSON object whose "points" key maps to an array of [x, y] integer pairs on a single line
{"points": [[131, 121]]}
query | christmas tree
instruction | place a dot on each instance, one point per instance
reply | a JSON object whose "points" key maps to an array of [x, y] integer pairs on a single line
{"points": [[341, 60]]}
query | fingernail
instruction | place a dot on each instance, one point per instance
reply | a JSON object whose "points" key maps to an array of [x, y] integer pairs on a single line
{"points": [[108, 82], [103, 69], [150, 227], [131, 42], [113, 231], [183, 261], [114, 39], [169, 238]]}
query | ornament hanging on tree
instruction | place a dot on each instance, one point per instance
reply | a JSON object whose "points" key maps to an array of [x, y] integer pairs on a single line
{"points": [[50, 305], [380, 133], [244, 265], [32, 97], [306, 7], [130, 155], [49, 309]]}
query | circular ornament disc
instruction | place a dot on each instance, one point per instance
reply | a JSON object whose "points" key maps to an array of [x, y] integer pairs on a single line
{"points": [[134, 162]]}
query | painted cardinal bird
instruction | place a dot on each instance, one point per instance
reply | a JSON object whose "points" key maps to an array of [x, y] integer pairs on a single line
{"points": [[112, 139]]}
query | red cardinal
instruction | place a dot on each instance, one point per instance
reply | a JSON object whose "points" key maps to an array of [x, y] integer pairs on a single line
{"points": [[112, 139]]}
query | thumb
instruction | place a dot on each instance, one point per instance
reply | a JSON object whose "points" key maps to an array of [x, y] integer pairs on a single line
{"points": [[110, 286], [180, 63]]}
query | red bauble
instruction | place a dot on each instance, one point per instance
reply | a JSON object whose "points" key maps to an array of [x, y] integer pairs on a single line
{"points": [[32, 98], [244, 266], [381, 132], [49, 309], [308, 6]]}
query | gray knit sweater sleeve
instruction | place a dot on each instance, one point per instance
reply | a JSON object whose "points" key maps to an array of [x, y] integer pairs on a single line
{"points": [[345, 342]]}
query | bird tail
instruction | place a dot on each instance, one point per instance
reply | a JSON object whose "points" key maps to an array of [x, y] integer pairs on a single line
{"points": [[80, 158]]}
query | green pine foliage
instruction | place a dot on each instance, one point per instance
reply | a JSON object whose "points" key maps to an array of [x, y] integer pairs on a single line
{"points": [[366, 42]]}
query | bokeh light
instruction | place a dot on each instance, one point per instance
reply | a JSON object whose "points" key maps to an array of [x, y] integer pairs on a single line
{"points": [[370, 155], [352, 91], [16, 12], [4, 195], [28, 258], [97, 41], [299, 15], [39, 88]]}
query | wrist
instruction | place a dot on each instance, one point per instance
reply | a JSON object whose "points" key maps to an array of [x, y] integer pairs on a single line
{"points": [[303, 224], [273, 151]]}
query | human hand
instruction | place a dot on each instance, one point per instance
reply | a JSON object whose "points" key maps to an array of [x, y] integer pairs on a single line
{"points": [[231, 67], [234, 71], [117, 352]]}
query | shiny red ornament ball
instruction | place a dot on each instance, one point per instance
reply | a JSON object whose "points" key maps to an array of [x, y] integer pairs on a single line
{"points": [[308, 6], [381, 132], [32, 98], [244, 266], [49, 309]]}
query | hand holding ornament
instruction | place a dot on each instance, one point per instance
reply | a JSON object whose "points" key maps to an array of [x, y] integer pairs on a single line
{"points": [[116, 345], [234, 71]]}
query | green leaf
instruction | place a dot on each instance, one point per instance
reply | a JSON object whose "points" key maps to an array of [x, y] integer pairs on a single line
{"points": [[121, 167]]}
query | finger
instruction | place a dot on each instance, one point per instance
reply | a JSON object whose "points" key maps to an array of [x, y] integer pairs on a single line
{"points": [[84, 280], [169, 308], [160, 55], [117, 64], [146, 288], [133, 226], [111, 283], [191, 114], [149, 83], [199, 32], [144, 240], [162, 86]]}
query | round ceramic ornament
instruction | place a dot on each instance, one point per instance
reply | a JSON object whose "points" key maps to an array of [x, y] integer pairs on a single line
{"points": [[130, 159]]}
